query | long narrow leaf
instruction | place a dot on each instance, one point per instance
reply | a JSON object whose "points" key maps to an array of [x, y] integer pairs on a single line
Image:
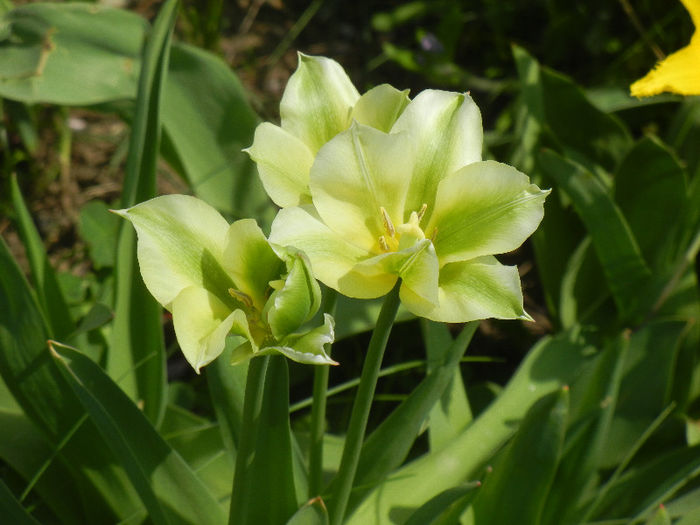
{"points": [[48, 292], [11, 509], [138, 337], [167, 486], [626, 271]]}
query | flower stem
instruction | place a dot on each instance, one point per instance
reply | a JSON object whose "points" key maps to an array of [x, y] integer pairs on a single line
{"points": [[252, 404], [318, 409], [363, 402]]}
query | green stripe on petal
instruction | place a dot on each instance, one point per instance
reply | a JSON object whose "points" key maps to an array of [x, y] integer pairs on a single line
{"points": [[180, 240], [249, 259], [332, 257], [317, 101], [283, 163], [309, 347], [471, 290], [485, 208], [445, 134], [380, 107], [296, 302], [356, 174], [201, 323]]}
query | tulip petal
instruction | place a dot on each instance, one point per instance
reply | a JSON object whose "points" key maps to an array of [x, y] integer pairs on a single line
{"points": [[201, 323], [356, 174], [309, 347], [471, 290], [484, 208], [332, 256], [180, 240], [317, 101], [680, 71], [250, 260], [417, 266], [296, 302], [380, 107], [677, 73], [283, 164], [445, 134]]}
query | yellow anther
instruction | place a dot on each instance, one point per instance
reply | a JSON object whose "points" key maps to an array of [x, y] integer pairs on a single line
{"points": [[383, 244], [388, 225], [421, 212], [242, 297]]}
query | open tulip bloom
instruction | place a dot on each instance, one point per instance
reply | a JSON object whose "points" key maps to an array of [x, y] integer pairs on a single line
{"points": [[219, 280], [407, 198]]}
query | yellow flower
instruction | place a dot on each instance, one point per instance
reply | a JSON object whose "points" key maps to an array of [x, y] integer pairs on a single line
{"points": [[679, 72]]}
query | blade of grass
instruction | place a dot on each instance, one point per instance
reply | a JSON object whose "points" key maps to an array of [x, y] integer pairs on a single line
{"points": [[11, 509], [137, 327]]}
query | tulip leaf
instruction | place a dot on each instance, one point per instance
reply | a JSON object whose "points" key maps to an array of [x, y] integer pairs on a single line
{"points": [[137, 337], [552, 363], [626, 271], [168, 487], [49, 294], [450, 503], [525, 469], [312, 513], [46, 399], [12, 510]]}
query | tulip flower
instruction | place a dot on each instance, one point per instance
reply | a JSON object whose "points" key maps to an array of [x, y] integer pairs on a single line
{"points": [[419, 204], [680, 71], [319, 102], [220, 280]]}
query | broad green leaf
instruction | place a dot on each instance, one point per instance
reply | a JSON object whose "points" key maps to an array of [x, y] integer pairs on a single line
{"points": [[549, 365], [515, 492], [46, 399], [12, 510], [168, 487], [403, 425], [48, 292], [312, 513], [452, 413], [207, 121], [626, 271], [52, 45], [438, 509], [137, 337], [650, 189]]}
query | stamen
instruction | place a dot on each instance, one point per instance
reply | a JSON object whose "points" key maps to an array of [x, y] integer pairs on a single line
{"points": [[388, 225], [421, 212], [242, 297], [434, 235], [383, 244]]}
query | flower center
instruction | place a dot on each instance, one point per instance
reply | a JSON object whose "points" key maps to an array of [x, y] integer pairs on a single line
{"points": [[405, 235]]}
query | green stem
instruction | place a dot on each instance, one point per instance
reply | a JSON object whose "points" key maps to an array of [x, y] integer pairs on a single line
{"points": [[363, 402], [252, 404], [318, 409]]}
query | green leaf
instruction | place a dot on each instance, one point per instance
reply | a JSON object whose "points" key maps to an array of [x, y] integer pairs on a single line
{"points": [[626, 271], [46, 399], [48, 292], [525, 470], [99, 229], [12, 510], [436, 510], [52, 45], [312, 513], [272, 494], [168, 487], [650, 189], [403, 425], [137, 337], [549, 365], [207, 121]]}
